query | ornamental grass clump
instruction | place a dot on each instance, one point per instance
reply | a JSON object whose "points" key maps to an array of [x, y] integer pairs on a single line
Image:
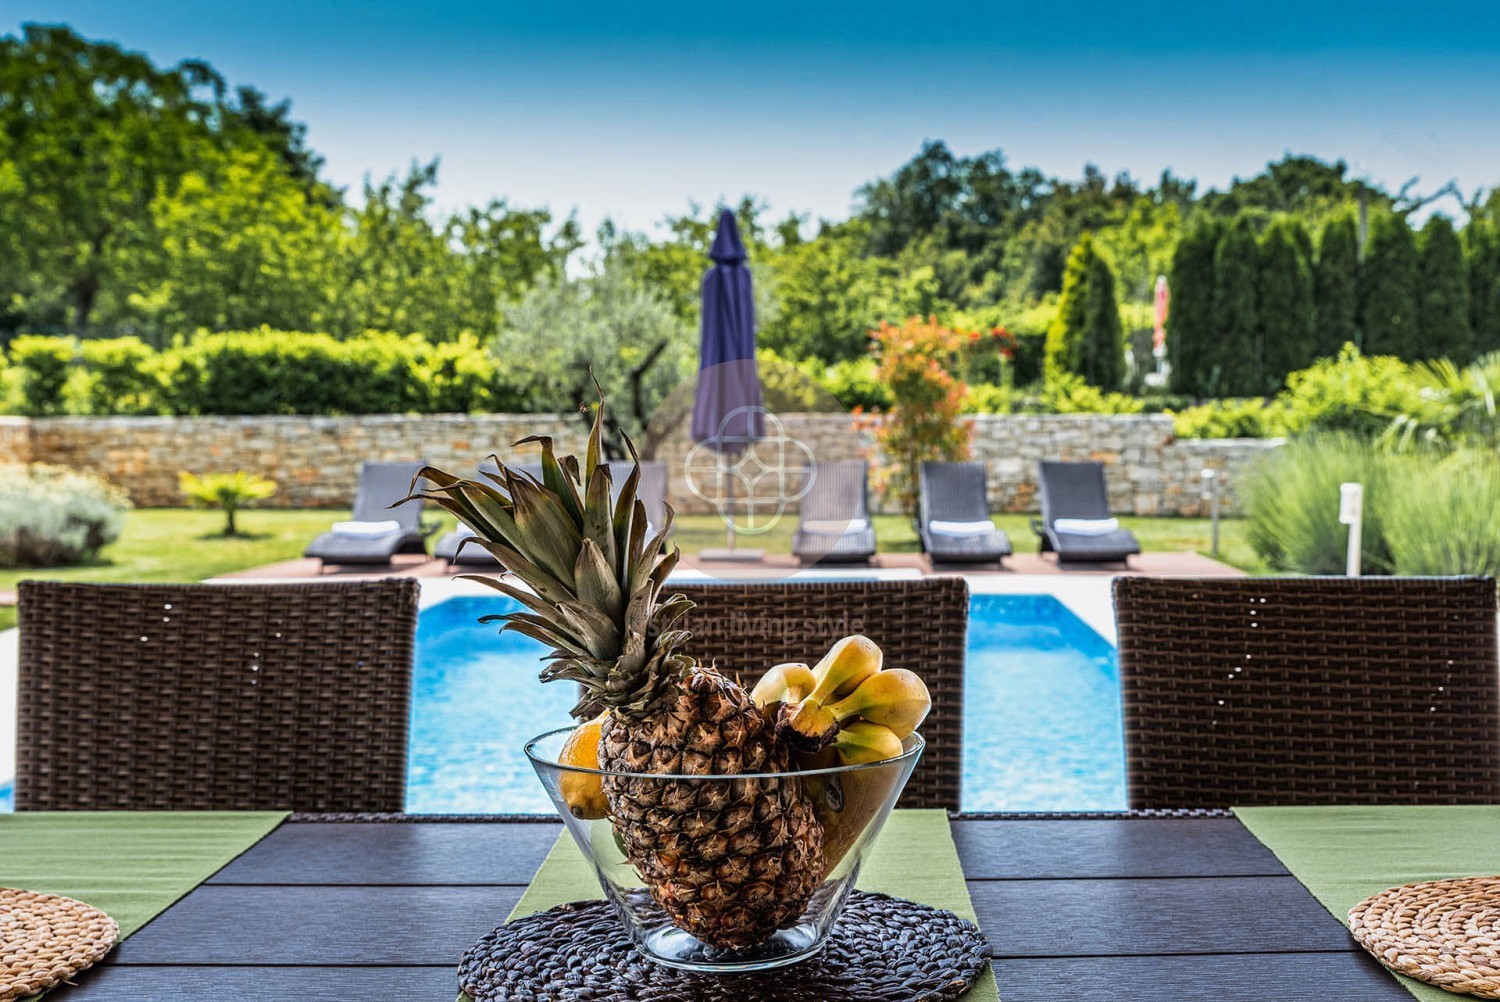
{"points": [[51, 516], [1440, 518]]}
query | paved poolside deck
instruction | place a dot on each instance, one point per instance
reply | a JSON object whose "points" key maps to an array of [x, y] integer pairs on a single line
{"points": [[779, 565]]}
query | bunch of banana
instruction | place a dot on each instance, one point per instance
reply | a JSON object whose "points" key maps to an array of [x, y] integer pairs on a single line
{"points": [[845, 710], [847, 701]]}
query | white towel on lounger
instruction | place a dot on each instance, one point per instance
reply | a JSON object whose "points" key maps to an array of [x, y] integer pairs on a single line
{"points": [[836, 525], [1086, 526], [938, 527], [366, 530]]}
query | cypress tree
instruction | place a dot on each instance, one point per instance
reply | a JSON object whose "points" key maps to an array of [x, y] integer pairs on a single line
{"points": [[1482, 245], [1061, 355], [1085, 337], [1388, 290], [1237, 321], [1336, 285], [1191, 338], [1285, 299], [1443, 294], [1103, 349]]}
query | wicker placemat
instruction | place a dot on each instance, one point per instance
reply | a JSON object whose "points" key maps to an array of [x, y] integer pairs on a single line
{"points": [[1443, 932], [46, 939], [883, 949]]}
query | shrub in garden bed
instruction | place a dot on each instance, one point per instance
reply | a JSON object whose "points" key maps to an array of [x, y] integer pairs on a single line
{"points": [[51, 516]]}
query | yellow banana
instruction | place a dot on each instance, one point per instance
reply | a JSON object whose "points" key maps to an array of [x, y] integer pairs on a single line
{"points": [[583, 792], [847, 663], [895, 698], [785, 683], [863, 742]]}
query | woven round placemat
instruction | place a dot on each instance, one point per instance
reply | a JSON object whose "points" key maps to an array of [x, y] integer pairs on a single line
{"points": [[883, 949], [1443, 932], [46, 939]]}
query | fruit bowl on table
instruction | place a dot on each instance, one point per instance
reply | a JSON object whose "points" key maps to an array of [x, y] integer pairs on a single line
{"points": [[731, 885]]}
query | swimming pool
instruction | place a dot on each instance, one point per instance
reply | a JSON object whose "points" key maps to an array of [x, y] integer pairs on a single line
{"points": [[1041, 711]]}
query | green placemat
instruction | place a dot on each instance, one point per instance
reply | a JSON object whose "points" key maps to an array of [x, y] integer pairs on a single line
{"points": [[1344, 854], [132, 864], [913, 858]]}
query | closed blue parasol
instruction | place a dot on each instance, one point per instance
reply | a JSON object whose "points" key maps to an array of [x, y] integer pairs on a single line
{"points": [[727, 407], [728, 414]]}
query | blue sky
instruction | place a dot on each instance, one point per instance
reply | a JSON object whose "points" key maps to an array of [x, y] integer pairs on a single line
{"points": [[632, 110]]}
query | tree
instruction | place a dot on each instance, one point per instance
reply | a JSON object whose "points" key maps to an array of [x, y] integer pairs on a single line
{"points": [[89, 135], [1191, 331], [1236, 310], [1086, 339], [1443, 295], [826, 291], [1285, 296], [1336, 286], [236, 245], [1482, 249], [1388, 289], [229, 492], [565, 333]]}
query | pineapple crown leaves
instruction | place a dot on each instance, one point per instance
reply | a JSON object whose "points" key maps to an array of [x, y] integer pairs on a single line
{"points": [[595, 581]]}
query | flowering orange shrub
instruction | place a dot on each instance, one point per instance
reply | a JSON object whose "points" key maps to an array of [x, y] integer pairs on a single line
{"points": [[917, 361]]}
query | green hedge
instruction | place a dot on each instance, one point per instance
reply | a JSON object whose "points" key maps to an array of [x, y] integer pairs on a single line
{"points": [[257, 372]]}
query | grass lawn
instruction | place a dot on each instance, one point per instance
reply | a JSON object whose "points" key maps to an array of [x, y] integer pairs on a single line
{"points": [[171, 544]]}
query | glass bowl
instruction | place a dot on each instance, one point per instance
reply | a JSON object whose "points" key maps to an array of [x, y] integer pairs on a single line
{"points": [[851, 803]]}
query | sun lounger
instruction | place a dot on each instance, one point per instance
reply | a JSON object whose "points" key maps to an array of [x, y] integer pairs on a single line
{"points": [[834, 522], [1075, 521], [377, 532], [954, 515]]}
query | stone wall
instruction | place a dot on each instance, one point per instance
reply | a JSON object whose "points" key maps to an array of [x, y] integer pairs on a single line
{"points": [[315, 460], [15, 440]]}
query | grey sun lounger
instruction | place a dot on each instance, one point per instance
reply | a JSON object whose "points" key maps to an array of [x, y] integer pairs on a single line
{"points": [[833, 525], [1077, 491], [652, 490], [955, 493], [380, 484]]}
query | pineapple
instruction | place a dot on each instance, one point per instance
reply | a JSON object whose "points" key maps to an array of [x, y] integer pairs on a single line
{"points": [[728, 862]]}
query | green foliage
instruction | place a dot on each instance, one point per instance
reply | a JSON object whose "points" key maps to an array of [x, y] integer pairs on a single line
{"points": [[1071, 394], [1285, 296], [826, 289], [1450, 406], [917, 361], [51, 516], [1085, 339], [1482, 250], [1439, 516], [1292, 504], [283, 372], [119, 376], [43, 364], [1352, 393], [856, 383], [1249, 417], [229, 492], [1443, 295], [1336, 285], [1389, 312], [1237, 310], [1192, 339], [566, 333]]}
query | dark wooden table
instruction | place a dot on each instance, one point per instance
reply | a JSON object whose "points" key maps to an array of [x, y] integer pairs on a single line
{"points": [[1101, 908]]}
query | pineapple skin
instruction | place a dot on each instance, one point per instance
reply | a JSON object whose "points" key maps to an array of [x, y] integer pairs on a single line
{"points": [[730, 863]]}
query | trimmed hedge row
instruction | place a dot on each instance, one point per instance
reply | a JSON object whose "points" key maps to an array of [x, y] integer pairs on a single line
{"points": [[256, 372]]}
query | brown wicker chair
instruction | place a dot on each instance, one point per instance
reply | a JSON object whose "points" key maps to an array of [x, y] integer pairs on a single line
{"points": [[746, 628], [1261, 691], [224, 697]]}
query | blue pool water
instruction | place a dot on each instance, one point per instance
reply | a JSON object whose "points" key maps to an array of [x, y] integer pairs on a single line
{"points": [[1041, 711]]}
